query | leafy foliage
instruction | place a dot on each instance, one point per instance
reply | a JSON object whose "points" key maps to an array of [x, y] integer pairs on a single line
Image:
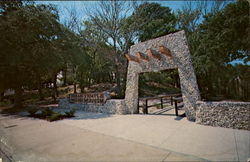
{"points": [[222, 37], [32, 111], [55, 116], [152, 20], [47, 112], [158, 83], [34, 47]]}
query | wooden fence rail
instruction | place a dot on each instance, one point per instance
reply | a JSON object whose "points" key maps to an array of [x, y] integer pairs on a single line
{"points": [[145, 100]]}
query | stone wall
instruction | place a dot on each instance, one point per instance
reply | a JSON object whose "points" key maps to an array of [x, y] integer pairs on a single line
{"points": [[113, 106], [224, 114], [181, 60]]}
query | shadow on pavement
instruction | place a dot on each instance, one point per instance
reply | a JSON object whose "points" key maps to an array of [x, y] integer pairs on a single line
{"points": [[81, 115], [159, 112]]}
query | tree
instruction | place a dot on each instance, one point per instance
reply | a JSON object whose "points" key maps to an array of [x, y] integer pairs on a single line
{"points": [[101, 55], [237, 81], [220, 38], [32, 41], [108, 18], [73, 24], [152, 20]]}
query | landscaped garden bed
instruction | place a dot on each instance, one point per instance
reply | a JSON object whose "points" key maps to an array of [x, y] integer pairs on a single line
{"points": [[50, 115]]}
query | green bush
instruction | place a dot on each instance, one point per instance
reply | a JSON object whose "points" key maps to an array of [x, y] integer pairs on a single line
{"points": [[50, 115], [5, 102], [70, 113], [55, 116], [32, 111], [47, 112]]}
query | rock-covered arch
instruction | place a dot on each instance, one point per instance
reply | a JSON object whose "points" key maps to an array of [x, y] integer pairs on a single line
{"points": [[166, 52]]}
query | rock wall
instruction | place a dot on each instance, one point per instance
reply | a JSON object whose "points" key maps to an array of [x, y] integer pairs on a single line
{"points": [[113, 106], [224, 114], [180, 59]]}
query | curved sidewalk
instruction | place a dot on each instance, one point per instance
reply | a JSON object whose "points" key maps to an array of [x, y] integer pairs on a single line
{"points": [[24, 139], [103, 137]]}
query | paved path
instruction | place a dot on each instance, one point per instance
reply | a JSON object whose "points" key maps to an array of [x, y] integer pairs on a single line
{"points": [[102, 137], [25, 139], [172, 133]]}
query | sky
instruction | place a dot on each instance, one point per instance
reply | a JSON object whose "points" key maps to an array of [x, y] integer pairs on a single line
{"points": [[83, 7]]}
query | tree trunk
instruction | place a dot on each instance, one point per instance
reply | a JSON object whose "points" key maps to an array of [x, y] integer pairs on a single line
{"points": [[74, 87], [1, 96], [74, 82], [65, 77], [117, 73], [82, 89], [55, 88], [110, 78], [18, 98], [55, 92], [40, 92], [118, 80], [40, 88], [53, 96]]}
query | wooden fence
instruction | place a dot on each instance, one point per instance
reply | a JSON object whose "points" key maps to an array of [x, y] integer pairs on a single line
{"points": [[145, 100]]}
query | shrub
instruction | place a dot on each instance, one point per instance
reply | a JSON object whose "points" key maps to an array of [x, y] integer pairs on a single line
{"points": [[47, 112], [50, 115], [32, 111], [5, 102], [70, 113], [55, 116]]}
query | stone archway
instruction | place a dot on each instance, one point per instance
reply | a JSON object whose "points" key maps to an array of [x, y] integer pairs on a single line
{"points": [[166, 52]]}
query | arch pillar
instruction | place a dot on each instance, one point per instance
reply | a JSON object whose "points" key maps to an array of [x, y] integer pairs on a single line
{"points": [[180, 59]]}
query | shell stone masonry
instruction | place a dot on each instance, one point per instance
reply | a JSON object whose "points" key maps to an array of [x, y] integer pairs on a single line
{"points": [[170, 52]]}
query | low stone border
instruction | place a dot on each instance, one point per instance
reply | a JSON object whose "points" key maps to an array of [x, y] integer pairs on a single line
{"points": [[224, 114], [113, 106]]}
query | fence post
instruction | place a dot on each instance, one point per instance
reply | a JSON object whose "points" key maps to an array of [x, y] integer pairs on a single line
{"points": [[161, 103], [176, 109], [138, 106]]}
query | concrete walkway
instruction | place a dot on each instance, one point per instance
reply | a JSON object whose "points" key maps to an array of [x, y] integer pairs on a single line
{"points": [[102, 137]]}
